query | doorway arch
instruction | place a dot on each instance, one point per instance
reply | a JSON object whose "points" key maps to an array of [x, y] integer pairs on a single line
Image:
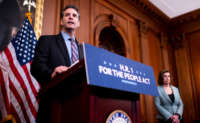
{"points": [[111, 40]]}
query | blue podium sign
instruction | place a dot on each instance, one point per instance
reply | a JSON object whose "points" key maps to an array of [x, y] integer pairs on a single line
{"points": [[109, 70]]}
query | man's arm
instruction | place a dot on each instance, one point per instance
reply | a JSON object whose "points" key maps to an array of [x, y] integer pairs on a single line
{"points": [[39, 67]]}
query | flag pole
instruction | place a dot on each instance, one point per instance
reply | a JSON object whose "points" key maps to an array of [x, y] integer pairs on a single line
{"points": [[28, 15]]}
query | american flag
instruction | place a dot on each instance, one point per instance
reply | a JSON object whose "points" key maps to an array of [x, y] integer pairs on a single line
{"points": [[18, 89]]}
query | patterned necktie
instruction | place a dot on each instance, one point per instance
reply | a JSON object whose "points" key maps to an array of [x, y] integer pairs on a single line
{"points": [[74, 51]]}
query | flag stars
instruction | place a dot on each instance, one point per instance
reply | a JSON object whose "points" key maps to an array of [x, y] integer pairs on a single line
{"points": [[110, 64], [104, 62], [23, 43], [24, 61]]}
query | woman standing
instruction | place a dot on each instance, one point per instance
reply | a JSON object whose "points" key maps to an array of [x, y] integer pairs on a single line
{"points": [[169, 104]]}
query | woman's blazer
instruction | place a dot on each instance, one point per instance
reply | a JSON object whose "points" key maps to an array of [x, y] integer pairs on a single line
{"points": [[166, 108]]}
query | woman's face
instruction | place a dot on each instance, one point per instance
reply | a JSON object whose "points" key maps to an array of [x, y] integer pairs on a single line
{"points": [[166, 78]]}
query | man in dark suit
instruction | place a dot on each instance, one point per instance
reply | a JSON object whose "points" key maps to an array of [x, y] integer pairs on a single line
{"points": [[53, 54]]}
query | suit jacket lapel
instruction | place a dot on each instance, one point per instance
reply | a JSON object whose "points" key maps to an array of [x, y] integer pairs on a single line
{"points": [[62, 46], [175, 94], [165, 94]]}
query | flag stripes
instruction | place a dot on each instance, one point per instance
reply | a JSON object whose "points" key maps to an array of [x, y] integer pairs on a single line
{"points": [[17, 87], [16, 110], [4, 108], [20, 87], [20, 77]]}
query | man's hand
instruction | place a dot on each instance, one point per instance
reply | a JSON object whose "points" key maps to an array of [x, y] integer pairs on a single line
{"points": [[59, 70]]}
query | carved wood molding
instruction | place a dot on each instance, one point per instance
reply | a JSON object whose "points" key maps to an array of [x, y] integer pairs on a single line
{"points": [[189, 17], [143, 28], [102, 21], [163, 39], [148, 9], [151, 11], [107, 20], [177, 40]]}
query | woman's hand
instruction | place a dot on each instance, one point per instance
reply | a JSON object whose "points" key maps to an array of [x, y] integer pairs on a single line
{"points": [[175, 118]]}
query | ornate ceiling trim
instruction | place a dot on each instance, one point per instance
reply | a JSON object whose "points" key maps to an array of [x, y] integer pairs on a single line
{"points": [[150, 10]]}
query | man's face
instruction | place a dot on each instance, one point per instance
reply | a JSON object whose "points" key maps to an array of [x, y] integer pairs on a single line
{"points": [[70, 19]]}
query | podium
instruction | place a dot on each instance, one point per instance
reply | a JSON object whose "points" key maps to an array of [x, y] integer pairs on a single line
{"points": [[101, 88], [69, 99]]}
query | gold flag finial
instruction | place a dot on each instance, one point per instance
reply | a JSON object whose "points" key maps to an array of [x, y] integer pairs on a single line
{"points": [[30, 4], [28, 14]]}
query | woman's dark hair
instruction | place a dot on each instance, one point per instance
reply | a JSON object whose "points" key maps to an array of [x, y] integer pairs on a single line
{"points": [[67, 7], [160, 77]]}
